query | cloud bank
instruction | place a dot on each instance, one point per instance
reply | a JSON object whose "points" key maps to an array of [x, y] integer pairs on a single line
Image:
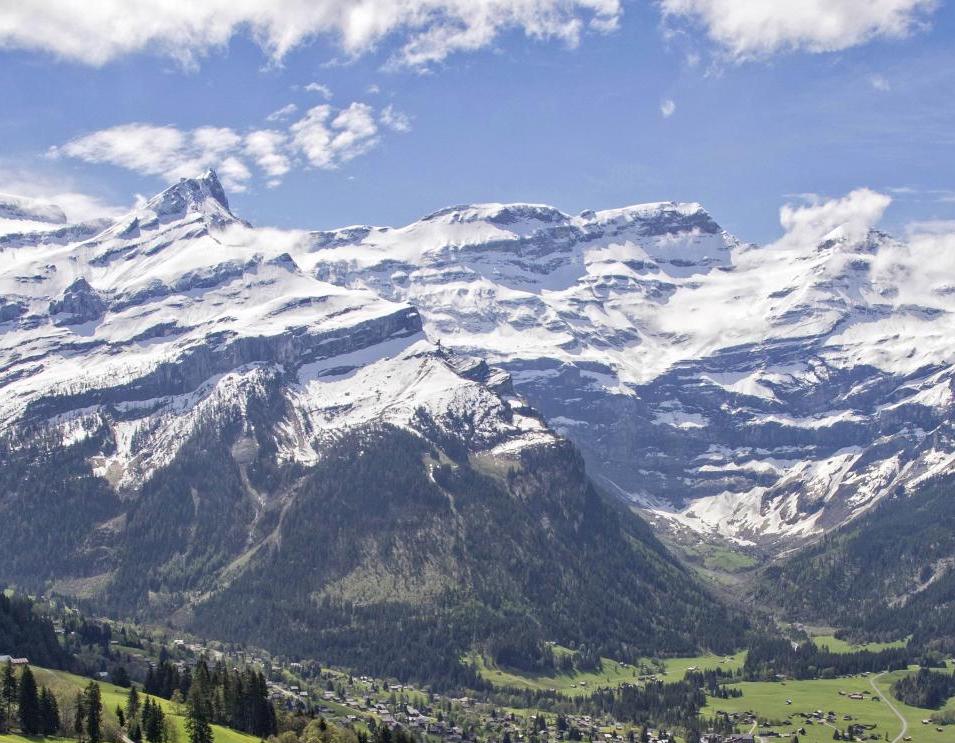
{"points": [[425, 31], [325, 138], [749, 29]]}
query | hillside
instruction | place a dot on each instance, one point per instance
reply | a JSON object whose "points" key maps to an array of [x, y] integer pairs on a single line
{"points": [[886, 575]]}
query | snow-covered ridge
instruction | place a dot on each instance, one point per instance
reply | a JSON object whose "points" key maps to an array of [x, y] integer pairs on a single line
{"points": [[713, 378], [181, 308], [762, 393]]}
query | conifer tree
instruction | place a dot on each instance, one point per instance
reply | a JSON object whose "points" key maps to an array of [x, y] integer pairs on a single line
{"points": [[28, 704], [197, 715], [93, 704], [132, 704], [8, 689], [79, 716], [49, 712]]}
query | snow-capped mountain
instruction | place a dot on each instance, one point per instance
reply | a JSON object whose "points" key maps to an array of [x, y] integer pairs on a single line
{"points": [[197, 426], [181, 306], [760, 393]]}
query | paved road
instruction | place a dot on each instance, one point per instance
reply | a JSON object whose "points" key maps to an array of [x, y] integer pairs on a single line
{"points": [[884, 698]]}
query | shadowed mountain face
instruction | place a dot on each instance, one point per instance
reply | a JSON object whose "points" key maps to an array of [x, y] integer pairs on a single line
{"points": [[199, 425]]}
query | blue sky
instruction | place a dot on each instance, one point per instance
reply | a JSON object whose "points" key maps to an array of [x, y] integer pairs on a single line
{"points": [[607, 103]]}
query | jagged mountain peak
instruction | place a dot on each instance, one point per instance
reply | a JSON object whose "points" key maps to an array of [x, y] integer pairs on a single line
{"points": [[203, 194]]}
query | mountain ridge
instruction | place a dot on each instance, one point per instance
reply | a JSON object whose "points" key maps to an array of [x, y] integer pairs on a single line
{"points": [[194, 423]]}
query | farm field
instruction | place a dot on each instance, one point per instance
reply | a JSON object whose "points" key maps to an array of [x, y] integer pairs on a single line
{"points": [[841, 646], [612, 674], [768, 700], [575, 684]]}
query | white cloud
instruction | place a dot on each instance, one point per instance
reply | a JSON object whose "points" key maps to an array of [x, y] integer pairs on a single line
{"points": [[325, 137], [374, 89], [323, 90], [266, 147], [880, 83], [756, 28], [282, 113], [851, 216], [931, 227], [667, 108], [425, 31], [395, 120], [62, 192], [163, 151]]}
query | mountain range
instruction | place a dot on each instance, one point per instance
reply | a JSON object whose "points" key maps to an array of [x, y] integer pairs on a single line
{"points": [[390, 446]]}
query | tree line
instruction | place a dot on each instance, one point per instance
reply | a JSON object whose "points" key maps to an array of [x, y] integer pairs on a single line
{"points": [[928, 689], [238, 699], [771, 657], [34, 710]]}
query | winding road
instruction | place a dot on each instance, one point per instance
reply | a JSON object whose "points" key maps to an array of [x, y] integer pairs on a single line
{"points": [[884, 698]]}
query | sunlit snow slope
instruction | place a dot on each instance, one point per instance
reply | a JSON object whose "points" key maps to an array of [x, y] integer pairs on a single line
{"points": [[180, 308]]}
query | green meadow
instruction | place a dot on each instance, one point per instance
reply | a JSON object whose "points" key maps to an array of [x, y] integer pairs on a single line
{"points": [[841, 646], [768, 700], [611, 674]]}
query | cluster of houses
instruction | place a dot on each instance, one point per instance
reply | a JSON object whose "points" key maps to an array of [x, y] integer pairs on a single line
{"points": [[4, 659], [734, 738]]}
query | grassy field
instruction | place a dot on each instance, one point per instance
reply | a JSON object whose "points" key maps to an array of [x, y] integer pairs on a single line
{"points": [[612, 674], [577, 684], [768, 701], [841, 646], [677, 667], [113, 696]]}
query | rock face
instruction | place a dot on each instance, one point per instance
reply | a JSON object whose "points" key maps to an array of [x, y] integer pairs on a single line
{"points": [[197, 423], [80, 303]]}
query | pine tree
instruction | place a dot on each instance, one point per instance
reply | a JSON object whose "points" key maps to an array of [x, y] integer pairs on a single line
{"points": [[79, 716], [9, 689], [153, 721], [197, 716], [28, 703], [93, 704], [49, 712], [132, 704]]}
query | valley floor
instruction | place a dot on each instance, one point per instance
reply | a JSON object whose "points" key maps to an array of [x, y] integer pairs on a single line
{"points": [[772, 710]]}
